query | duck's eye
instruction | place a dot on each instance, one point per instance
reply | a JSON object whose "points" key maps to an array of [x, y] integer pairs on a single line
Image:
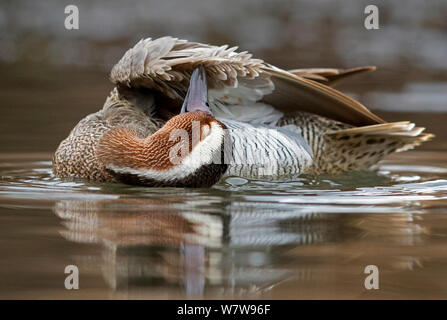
{"points": [[205, 131]]}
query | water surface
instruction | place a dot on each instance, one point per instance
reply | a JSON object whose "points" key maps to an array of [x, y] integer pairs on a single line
{"points": [[311, 238]]}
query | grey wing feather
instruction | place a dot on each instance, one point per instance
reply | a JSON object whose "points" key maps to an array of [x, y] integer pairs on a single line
{"points": [[166, 64]]}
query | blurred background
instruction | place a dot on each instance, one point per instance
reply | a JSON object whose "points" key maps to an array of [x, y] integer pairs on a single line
{"points": [[52, 77]]}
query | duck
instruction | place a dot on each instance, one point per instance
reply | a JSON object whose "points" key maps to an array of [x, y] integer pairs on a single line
{"points": [[187, 114]]}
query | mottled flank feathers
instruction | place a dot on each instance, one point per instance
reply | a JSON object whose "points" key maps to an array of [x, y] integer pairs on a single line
{"points": [[76, 155]]}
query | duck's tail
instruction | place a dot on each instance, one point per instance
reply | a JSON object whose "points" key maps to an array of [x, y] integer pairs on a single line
{"points": [[338, 147], [360, 148]]}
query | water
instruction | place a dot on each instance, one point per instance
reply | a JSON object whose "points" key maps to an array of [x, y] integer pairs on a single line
{"points": [[239, 239]]}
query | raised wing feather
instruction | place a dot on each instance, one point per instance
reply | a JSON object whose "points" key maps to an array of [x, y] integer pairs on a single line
{"points": [[296, 93], [165, 64], [330, 76], [234, 79]]}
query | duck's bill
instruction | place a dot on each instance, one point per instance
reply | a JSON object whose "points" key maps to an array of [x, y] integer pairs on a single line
{"points": [[197, 96]]}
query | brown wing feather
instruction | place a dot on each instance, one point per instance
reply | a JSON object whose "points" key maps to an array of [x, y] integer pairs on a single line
{"points": [[330, 76], [294, 93]]}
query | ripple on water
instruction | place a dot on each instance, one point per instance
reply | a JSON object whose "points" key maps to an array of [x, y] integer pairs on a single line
{"points": [[392, 184]]}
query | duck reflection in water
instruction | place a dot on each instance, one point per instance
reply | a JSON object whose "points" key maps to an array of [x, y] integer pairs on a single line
{"points": [[146, 242], [212, 247]]}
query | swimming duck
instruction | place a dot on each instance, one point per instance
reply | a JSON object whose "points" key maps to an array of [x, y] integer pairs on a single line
{"points": [[184, 114]]}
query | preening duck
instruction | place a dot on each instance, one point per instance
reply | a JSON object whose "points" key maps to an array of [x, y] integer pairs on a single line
{"points": [[184, 114]]}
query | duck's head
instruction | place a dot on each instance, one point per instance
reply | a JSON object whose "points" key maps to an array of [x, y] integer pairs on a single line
{"points": [[186, 152]]}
